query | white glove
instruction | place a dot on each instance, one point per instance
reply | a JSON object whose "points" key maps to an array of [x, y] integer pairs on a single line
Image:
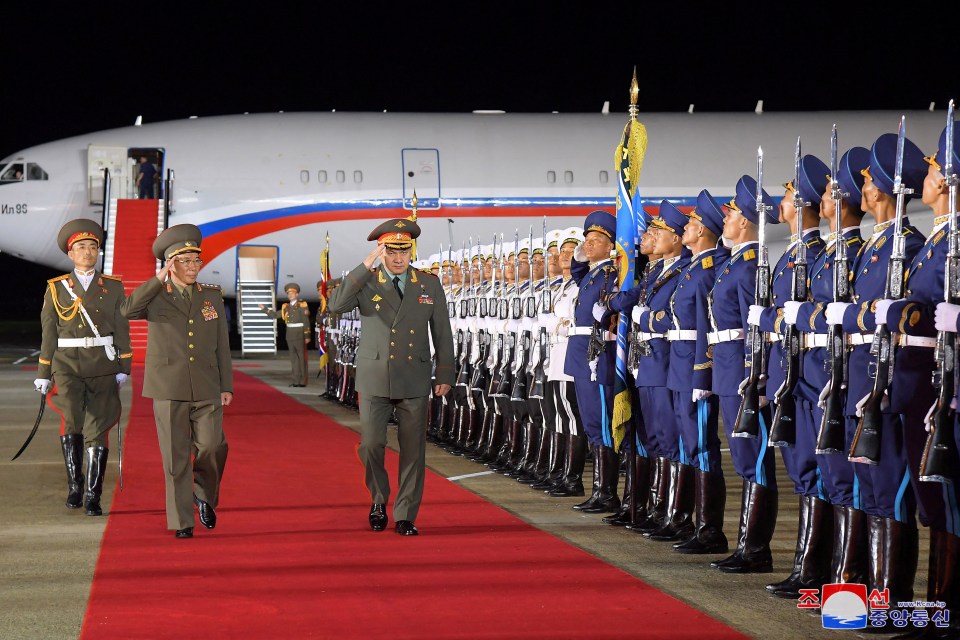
{"points": [[824, 394], [42, 384], [701, 394], [791, 308], [946, 316], [753, 316], [579, 255], [884, 403], [638, 311], [598, 311], [835, 311], [880, 315], [928, 419], [121, 378]]}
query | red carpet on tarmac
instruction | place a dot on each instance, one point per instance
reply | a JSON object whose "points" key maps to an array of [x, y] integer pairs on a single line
{"points": [[293, 557]]}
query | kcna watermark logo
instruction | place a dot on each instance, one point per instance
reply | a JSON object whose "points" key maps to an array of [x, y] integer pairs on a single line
{"points": [[847, 606]]}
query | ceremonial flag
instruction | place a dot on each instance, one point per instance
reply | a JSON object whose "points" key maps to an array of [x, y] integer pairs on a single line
{"points": [[324, 278], [413, 218], [630, 224]]}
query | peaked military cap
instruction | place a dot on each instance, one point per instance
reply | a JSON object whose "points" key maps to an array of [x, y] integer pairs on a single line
{"points": [[601, 221], [939, 159], [571, 234], [398, 233], [670, 218], [79, 229], [813, 180], [850, 174], [291, 285], [180, 238], [708, 213], [883, 163], [745, 202]]}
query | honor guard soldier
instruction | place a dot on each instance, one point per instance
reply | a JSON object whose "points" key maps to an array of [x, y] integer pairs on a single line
{"points": [[296, 315], [730, 300], [811, 567], [326, 329], [885, 487], [85, 352], [590, 356], [849, 561], [401, 310], [188, 374]]}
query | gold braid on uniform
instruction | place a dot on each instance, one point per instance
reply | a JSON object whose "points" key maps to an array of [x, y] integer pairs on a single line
{"points": [[65, 313]]}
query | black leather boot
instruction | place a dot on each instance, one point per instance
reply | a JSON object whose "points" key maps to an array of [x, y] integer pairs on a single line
{"points": [[899, 565], [474, 428], [552, 463], [811, 566], [761, 521], [849, 564], [633, 508], [444, 420], [711, 500], [942, 586], [507, 447], [72, 445], [546, 444], [659, 491], [608, 501], [573, 464], [741, 530], [517, 448], [622, 515], [679, 521], [532, 436], [595, 494], [495, 439], [96, 470]]}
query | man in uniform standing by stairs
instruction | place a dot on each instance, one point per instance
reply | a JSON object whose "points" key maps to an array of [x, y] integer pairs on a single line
{"points": [[296, 315]]}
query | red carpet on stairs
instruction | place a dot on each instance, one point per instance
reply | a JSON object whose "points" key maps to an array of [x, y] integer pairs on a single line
{"points": [[133, 260], [292, 555]]}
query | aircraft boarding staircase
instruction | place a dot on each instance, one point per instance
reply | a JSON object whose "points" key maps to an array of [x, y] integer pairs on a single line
{"points": [[256, 285]]}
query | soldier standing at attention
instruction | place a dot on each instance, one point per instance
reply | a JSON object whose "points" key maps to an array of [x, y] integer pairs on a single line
{"points": [[401, 310], [85, 350], [296, 315], [188, 374]]}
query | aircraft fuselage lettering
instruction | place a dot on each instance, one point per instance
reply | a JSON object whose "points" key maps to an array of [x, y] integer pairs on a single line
{"points": [[19, 208]]}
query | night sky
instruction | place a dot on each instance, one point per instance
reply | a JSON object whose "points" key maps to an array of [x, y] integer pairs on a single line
{"points": [[67, 71]]}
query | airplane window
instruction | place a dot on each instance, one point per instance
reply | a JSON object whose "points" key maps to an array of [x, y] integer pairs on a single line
{"points": [[322, 176], [304, 176], [604, 178], [34, 172], [341, 176], [568, 177], [551, 177], [358, 176], [13, 172]]}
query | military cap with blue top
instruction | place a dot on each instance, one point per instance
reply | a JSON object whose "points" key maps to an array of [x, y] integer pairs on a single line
{"points": [[670, 218], [745, 202], [601, 221], [939, 159], [850, 174], [708, 213], [883, 163], [814, 176]]}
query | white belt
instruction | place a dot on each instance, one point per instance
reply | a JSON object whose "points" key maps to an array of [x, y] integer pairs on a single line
{"points": [[814, 340], [677, 335], [652, 336], [727, 335], [773, 337], [917, 341], [588, 331], [856, 339], [88, 342], [294, 325]]}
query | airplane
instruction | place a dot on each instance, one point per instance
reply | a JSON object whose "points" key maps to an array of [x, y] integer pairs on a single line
{"points": [[280, 182]]}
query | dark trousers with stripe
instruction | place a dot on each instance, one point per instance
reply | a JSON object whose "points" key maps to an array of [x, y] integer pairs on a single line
{"points": [[752, 458], [698, 428], [885, 488], [564, 396], [596, 406], [800, 460]]}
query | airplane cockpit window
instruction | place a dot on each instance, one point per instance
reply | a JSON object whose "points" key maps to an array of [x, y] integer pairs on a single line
{"points": [[34, 172], [12, 172]]}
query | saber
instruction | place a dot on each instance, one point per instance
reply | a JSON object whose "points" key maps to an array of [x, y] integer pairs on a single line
{"points": [[33, 432], [120, 447]]}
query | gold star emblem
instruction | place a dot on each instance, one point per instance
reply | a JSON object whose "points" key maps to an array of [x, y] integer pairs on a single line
{"points": [[399, 224]]}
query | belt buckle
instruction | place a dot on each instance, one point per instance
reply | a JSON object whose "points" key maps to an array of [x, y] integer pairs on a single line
{"points": [[88, 342]]}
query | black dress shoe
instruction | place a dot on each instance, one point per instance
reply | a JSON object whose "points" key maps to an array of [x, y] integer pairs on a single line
{"points": [[184, 533], [406, 528], [208, 517], [378, 517]]}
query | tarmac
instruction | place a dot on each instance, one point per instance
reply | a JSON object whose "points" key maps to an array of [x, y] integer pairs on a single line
{"points": [[48, 553]]}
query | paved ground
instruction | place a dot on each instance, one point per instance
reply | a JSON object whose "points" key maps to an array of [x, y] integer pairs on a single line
{"points": [[47, 553]]}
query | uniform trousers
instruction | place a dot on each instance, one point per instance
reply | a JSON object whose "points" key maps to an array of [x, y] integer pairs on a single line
{"points": [[298, 356], [185, 428], [596, 407], [88, 406], [752, 458], [411, 415], [885, 487], [564, 395], [699, 431], [658, 434], [800, 460], [840, 485], [936, 502]]}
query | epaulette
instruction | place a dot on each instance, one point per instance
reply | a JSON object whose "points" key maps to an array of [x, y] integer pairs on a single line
{"points": [[853, 241], [59, 278], [939, 236], [209, 286], [431, 274], [609, 268], [749, 255], [814, 240], [907, 231], [707, 262], [115, 278], [303, 303]]}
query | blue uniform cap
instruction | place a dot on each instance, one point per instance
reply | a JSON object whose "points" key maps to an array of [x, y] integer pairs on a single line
{"points": [[813, 179], [883, 162], [670, 218], [746, 202], [602, 221], [939, 159], [850, 174], [708, 213]]}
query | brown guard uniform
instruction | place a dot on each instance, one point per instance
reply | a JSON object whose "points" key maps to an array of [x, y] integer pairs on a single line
{"points": [[297, 318]]}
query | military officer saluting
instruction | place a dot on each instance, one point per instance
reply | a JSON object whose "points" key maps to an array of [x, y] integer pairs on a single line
{"points": [[401, 310], [296, 315], [188, 374], [85, 351]]}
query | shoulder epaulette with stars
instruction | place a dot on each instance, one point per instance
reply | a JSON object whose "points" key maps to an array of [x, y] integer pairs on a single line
{"points": [[749, 255], [115, 278], [707, 262], [209, 286], [59, 278], [303, 303]]}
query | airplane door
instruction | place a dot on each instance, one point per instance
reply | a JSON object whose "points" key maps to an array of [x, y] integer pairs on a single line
{"points": [[100, 157], [421, 173]]}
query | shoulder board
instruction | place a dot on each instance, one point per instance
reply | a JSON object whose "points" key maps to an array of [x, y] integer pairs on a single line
{"points": [[707, 262], [209, 286], [431, 274], [59, 278], [750, 255], [907, 231], [303, 304], [853, 241], [114, 278], [939, 236], [815, 240], [609, 268]]}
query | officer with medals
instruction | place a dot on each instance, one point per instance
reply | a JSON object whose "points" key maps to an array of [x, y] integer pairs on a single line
{"points": [[730, 300], [836, 473], [296, 315], [85, 353], [811, 566], [590, 356], [399, 309], [188, 374]]}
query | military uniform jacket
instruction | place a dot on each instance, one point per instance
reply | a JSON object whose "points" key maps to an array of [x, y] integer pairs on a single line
{"points": [[394, 354], [730, 300], [601, 280], [559, 323], [298, 313], [188, 348], [781, 290], [61, 318]]}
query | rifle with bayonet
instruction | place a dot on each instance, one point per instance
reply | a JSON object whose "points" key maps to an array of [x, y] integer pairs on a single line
{"points": [[866, 440], [538, 384], [940, 455], [479, 375], [519, 391]]}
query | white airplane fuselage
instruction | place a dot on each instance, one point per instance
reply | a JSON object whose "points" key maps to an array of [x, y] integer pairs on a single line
{"points": [[286, 180]]}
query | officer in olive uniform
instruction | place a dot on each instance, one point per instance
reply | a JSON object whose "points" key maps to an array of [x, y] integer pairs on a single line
{"points": [[188, 374], [401, 310], [85, 350], [296, 315]]}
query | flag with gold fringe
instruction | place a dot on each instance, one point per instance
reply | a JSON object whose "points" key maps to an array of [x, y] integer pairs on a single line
{"points": [[413, 218], [628, 162], [324, 278]]}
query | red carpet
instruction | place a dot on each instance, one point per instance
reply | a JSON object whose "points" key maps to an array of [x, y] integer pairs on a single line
{"points": [[293, 557]]}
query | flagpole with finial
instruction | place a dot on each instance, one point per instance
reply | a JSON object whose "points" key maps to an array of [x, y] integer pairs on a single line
{"points": [[413, 218]]}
